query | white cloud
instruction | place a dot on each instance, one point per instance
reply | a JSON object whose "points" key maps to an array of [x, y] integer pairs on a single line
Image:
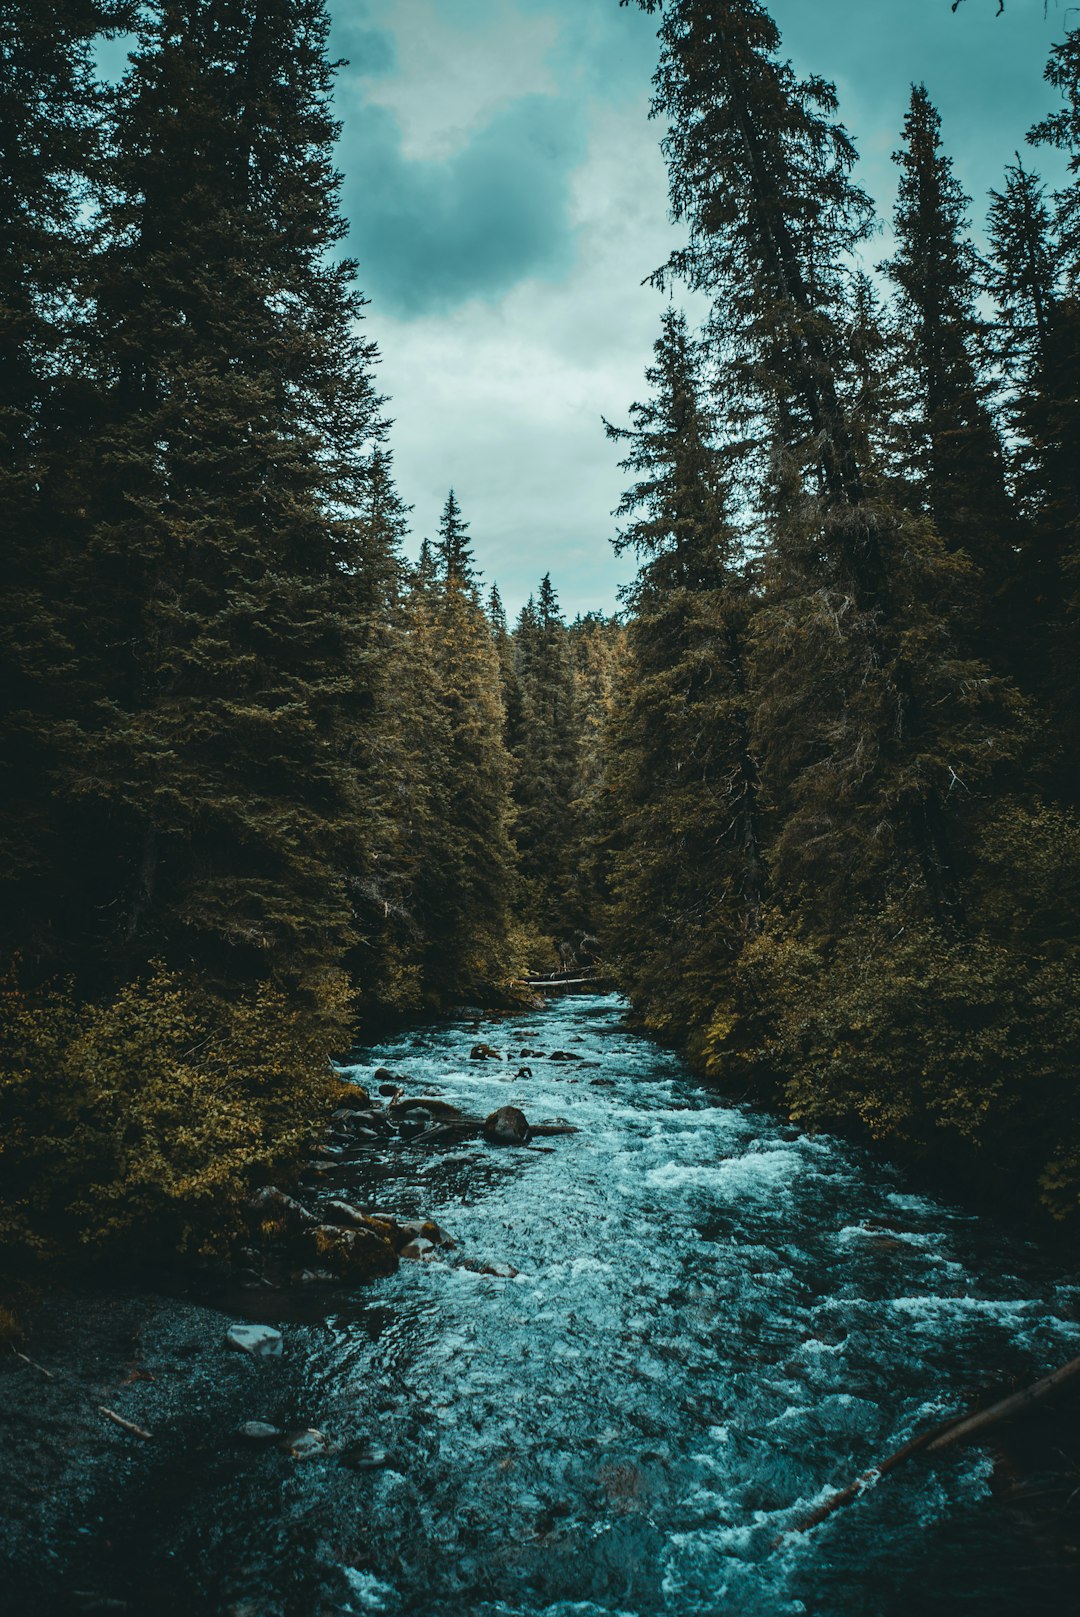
{"points": [[455, 71], [504, 400]]}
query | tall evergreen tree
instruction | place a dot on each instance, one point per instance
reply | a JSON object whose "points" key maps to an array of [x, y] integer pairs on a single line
{"points": [[546, 763], [465, 886], [896, 978], [1039, 354], [687, 871], [856, 622], [1051, 410], [51, 110], [956, 461], [226, 412], [452, 547]]}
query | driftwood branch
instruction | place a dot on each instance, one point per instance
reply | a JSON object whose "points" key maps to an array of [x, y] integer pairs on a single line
{"points": [[959, 1429], [110, 1414], [128, 1425]]}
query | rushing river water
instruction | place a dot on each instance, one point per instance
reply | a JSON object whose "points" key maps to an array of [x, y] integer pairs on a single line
{"points": [[715, 1321]]}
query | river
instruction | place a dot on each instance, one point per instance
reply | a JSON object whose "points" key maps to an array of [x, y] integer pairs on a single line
{"points": [[714, 1321]]}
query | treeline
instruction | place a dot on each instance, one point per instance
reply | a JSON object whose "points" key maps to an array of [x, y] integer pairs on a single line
{"points": [[262, 781], [843, 844]]}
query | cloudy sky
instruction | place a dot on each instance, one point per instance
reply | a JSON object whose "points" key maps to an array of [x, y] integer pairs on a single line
{"points": [[506, 199]]}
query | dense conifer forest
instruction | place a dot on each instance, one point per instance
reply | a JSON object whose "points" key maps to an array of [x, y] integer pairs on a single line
{"points": [[810, 799]]}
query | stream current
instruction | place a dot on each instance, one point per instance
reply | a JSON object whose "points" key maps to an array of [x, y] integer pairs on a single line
{"points": [[715, 1321]]}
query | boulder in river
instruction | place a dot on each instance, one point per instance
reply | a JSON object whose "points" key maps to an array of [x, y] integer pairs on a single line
{"points": [[563, 1055], [271, 1206], [484, 1052], [344, 1213], [364, 1456], [261, 1341], [363, 1253], [308, 1444], [507, 1126], [258, 1431], [419, 1248]]}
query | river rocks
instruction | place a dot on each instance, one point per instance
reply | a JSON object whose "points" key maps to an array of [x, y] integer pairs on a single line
{"points": [[258, 1431], [352, 1254], [426, 1103], [336, 1211], [523, 1072], [500, 1271], [260, 1341], [414, 1123], [507, 1126], [563, 1055], [425, 1229], [309, 1444], [271, 1206], [364, 1456], [484, 1052], [418, 1248], [556, 1125]]}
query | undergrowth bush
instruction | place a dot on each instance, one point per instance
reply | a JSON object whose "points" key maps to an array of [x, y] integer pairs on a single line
{"points": [[139, 1122]]}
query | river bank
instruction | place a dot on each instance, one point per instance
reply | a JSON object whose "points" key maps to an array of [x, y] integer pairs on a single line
{"points": [[654, 1345]]}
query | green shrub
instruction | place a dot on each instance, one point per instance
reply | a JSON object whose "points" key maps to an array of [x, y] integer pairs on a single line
{"points": [[141, 1120]]}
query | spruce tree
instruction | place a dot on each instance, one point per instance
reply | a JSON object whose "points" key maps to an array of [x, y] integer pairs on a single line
{"points": [[956, 465], [901, 978], [217, 491], [1039, 355], [686, 866], [465, 887], [51, 110], [867, 710], [546, 764]]}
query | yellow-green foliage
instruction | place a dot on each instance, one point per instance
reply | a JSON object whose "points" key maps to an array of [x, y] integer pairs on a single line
{"points": [[142, 1119], [966, 1046]]}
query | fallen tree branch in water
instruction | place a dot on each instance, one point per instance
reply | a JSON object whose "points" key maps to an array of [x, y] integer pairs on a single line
{"points": [[958, 1429]]}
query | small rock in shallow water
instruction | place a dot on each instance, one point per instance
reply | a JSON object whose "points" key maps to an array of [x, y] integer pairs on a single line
{"points": [[507, 1126], [364, 1456], [418, 1248], [258, 1431], [308, 1445], [484, 1052], [353, 1254], [261, 1341], [342, 1212], [563, 1055], [272, 1206], [428, 1229]]}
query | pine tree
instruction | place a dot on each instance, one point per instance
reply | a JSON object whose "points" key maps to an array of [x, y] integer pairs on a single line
{"points": [[226, 414], [464, 887], [867, 711], [51, 109], [1062, 131], [382, 753], [1039, 355], [687, 872], [900, 975], [956, 464], [452, 547], [504, 646], [546, 765]]}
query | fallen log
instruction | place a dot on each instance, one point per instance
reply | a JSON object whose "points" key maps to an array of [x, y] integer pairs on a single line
{"points": [[958, 1429]]}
